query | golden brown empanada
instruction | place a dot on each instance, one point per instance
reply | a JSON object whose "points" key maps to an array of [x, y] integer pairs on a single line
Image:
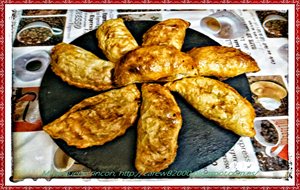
{"points": [[222, 62], [154, 63], [81, 68], [158, 128], [170, 32], [114, 39], [97, 120], [219, 102]]}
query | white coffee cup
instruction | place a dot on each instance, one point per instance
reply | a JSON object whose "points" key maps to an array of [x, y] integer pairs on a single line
{"points": [[269, 146], [62, 162], [21, 65], [48, 31], [269, 94], [271, 18], [224, 24]]}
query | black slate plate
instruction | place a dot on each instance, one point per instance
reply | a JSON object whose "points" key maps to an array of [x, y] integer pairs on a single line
{"points": [[200, 142]]}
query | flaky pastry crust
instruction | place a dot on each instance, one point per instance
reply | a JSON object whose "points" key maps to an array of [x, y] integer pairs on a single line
{"points": [[81, 68], [222, 62], [158, 128], [97, 120], [219, 102], [154, 63], [169, 32], [114, 39]]}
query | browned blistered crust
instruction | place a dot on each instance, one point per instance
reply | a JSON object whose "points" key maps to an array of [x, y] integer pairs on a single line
{"points": [[222, 62], [81, 68], [219, 102], [158, 128], [98, 119], [114, 39], [154, 63], [169, 32]]}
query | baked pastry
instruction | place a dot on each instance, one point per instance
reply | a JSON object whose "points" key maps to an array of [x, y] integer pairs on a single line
{"points": [[98, 119], [154, 63], [81, 68], [219, 102], [170, 32], [114, 39], [222, 62], [158, 128]]}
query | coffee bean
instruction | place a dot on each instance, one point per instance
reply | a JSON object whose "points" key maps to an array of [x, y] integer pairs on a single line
{"points": [[35, 35], [269, 132]]}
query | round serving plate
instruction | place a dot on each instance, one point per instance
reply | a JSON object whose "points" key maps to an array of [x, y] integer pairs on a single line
{"points": [[200, 141]]}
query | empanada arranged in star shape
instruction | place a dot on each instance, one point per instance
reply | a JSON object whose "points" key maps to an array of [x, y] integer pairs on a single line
{"points": [[115, 40], [102, 118], [170, 32], [98, 119], [154, 63], [81, 68], [158, 128], [222, 62], [219, 102]]}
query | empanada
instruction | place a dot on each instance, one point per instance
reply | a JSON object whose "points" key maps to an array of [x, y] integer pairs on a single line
{"points": [[81, 68], [114, 39], [219, 102], [222, 62], [170, 32], [158, 128], [154, 63], [97, 120]]}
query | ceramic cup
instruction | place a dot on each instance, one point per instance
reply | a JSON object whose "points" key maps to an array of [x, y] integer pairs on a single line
{"points": [[32, 65], [275, 24], [269, 94], [62, 162], [261, 139], [37, 32], [272, 149], [224, 24]]}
